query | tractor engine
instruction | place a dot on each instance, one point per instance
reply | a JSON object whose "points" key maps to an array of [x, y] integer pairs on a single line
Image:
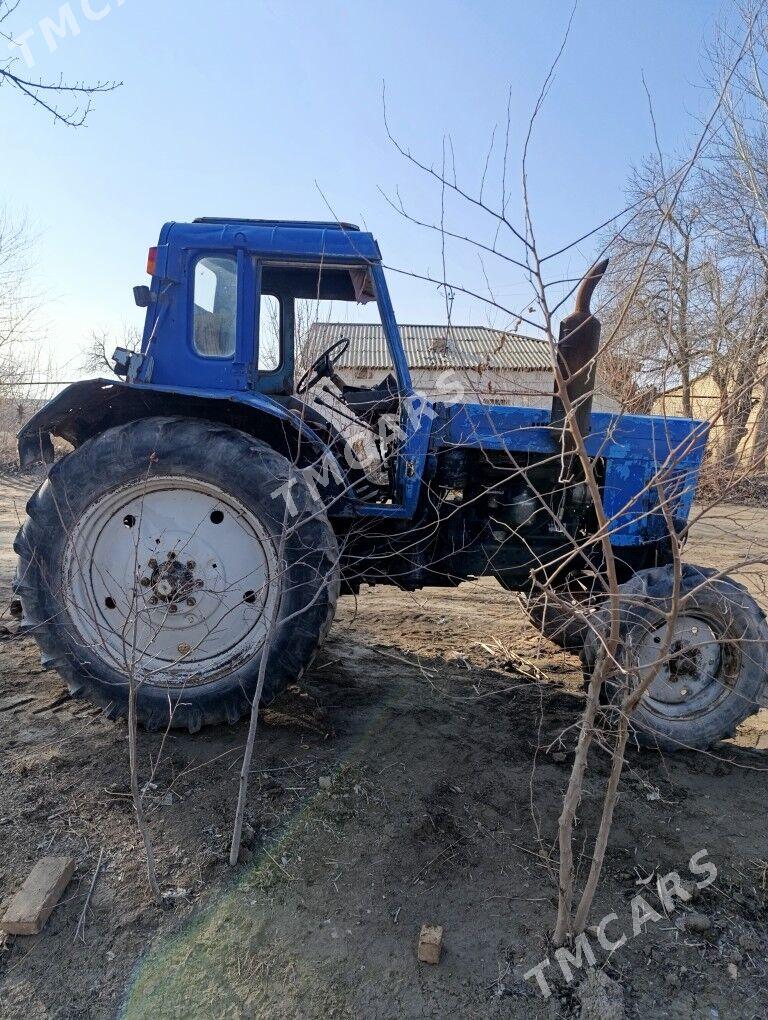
{"points": [[502, 511]]}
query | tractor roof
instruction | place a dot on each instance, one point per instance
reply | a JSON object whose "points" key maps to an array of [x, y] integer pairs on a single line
{"points": [[322, 224], [281, 238]]}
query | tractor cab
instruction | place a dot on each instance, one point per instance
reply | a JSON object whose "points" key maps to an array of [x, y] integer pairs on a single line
{"points": [[243, 307]]}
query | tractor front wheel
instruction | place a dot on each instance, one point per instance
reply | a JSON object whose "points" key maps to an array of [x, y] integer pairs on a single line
{"points": [[562, 613], [705, 662], [173, 554]]}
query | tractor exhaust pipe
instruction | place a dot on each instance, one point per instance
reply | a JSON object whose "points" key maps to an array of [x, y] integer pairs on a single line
{"points": [[576, 351]]}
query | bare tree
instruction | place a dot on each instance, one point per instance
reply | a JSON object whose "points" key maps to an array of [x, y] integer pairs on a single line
{"points": [[50, 96], [737, 184], [25, 362], [661, 300], [662, 246], [97, 356]]}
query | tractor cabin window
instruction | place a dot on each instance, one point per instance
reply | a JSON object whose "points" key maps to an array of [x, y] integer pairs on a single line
{"points": [[215, 318], [270, 331]]}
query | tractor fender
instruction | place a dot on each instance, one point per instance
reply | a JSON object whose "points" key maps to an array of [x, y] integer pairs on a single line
{"points": [[86, 409]]}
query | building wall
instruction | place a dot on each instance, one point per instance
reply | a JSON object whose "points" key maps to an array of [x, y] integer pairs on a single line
{"points": [[704, 394], [705, 401], [523, 389]]}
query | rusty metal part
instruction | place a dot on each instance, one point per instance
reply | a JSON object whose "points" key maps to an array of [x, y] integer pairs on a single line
{"points": [[587, 288], [576, 354]]}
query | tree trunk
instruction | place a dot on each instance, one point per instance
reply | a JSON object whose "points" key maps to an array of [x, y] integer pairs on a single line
{"points": [[760, 444], [737, 417]]}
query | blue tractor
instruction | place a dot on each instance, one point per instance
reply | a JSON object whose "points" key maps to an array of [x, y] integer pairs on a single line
{"points": [[213, 509]]}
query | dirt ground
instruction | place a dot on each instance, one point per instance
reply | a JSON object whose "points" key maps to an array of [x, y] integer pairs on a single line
{"points": [[416, 777]]}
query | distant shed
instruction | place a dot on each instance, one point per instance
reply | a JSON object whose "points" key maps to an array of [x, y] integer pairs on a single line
{"points": [[490, 365]]}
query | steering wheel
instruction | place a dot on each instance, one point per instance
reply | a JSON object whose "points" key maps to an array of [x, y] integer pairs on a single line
{"points": [[323, 367]]}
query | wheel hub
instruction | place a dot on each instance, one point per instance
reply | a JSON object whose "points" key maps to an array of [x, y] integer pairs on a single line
{"points": [[171, 581]]}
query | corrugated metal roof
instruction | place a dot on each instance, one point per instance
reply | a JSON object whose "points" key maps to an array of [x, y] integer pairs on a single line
{"points": [[435, 347]]}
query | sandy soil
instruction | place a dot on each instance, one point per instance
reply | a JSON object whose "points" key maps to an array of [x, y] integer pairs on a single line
{"points": [[443, 723]]}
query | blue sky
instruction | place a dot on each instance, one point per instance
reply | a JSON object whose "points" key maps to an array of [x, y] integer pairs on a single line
{"points": [[255, 108]]}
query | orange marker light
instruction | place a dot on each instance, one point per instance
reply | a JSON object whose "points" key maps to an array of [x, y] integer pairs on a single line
{"points": [[152, 261]]}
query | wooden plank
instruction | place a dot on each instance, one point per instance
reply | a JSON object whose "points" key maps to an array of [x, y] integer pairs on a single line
{"points": [[33, 904]]}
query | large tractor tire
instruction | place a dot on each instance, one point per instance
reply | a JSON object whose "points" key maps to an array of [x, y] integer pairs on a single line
{"points": [[173, 554], [715, 674]]}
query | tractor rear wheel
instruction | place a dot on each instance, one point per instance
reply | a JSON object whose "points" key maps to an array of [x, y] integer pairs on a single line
{"points": [[715, 671], [173, 554]]}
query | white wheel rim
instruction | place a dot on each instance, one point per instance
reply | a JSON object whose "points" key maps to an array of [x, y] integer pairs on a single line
{"points": [[172, 581], [688, 683]]}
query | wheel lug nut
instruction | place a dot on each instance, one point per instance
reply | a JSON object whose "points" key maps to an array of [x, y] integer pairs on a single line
{"points": [[153, 601], [199, 583], [173, 608], [152, 563], [145, 582], [191, 602]]}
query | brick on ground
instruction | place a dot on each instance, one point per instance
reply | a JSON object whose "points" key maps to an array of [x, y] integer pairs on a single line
{"points": [[33, 904], [430, 943]]}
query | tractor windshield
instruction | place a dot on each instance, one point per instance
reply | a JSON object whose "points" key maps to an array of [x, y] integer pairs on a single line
{"points": [[344, 371]]}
